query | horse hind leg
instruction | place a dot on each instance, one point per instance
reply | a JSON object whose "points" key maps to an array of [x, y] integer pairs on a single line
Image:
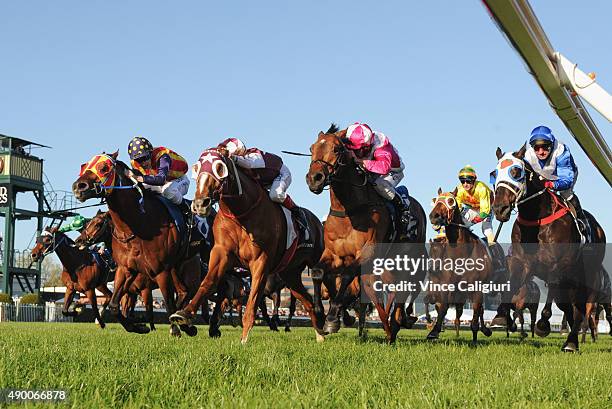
{"points": [[296, 286], [91, 294]]}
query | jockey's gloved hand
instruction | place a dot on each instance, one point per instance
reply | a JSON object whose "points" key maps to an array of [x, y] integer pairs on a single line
{"points": [[549, 184]]}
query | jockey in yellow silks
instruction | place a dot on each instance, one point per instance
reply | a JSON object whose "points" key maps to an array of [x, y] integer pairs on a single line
{"points": [[161, 169], [474, 202]]}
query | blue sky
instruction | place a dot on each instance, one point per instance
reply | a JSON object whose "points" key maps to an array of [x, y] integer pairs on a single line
{"points": [[436, 77]]}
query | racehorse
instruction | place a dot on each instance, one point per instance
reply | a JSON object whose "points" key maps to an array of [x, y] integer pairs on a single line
{"points": [[462, 245], [145, 238], [80, 271], [546, 242], [251, 232], [358, 220]]}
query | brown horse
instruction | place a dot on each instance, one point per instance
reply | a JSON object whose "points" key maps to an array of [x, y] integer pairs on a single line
{"points": [[462, 245], [250, 231], [145, 238], [359, 219], [546, 242], [80, 271]]}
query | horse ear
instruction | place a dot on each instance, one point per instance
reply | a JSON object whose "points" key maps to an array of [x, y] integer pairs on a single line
{"points": [[115, 154], [499, 153], [455, 192], [320, 134], [439, 191], [341, 134], [520, 154]]}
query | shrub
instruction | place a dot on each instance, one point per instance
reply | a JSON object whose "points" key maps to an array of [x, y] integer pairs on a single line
{"points": [[5, 298], [31, 299]]}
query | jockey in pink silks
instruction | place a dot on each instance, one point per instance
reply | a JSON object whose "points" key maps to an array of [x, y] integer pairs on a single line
{"points": [[374, 152]]}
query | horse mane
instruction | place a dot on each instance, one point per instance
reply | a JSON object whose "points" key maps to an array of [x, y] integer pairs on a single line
{"points": [[333, 128]]}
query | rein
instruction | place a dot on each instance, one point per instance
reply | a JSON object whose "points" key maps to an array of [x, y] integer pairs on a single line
{"points": [[556, 214]]}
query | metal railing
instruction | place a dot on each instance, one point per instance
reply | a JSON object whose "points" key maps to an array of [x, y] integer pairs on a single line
{"points": [[50, 312]]}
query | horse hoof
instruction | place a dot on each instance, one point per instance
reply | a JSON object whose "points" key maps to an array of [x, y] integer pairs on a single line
{"points": [[432, 336], [513, 327], [542, 328], [140, 329], [180, 318], [563, 331], [331, 327], [499, 321], [569, 347], [409, 322], [348, 320], [175, 331], [152, 327], [523, 335], [191, 331], [486, 331], [287, 329], [214, 333]]}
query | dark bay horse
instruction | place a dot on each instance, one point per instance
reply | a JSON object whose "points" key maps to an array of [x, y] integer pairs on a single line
{"points": [[250, 231], [80, 271], [145, 238], [99, 230], [359, 219], [546, 242], [462, 245]]}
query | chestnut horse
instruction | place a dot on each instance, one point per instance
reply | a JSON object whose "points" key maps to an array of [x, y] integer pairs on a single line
{"points": [[250, 231], [359, 219], [546, 242], [80, 271], [145, 238], [465, 245]]}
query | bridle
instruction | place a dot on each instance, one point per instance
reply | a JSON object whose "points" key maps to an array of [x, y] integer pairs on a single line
{"points": [[330, 170], [450, 204], [51, 247], [88, 241], [517, 186]]}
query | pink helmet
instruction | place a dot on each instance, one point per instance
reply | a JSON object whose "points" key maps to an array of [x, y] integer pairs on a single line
{"points": [[359, 135], [234, 146]]}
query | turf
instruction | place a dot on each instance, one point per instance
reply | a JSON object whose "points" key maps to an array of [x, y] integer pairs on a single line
{"points": [[111, 368]]}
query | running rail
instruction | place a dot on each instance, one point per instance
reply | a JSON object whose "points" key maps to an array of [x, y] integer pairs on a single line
{"points": [[517, 21]]}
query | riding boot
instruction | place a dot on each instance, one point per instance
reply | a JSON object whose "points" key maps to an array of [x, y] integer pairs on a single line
{"points": [[185, 209], [406, 222], [298, 215], [583, 222]]}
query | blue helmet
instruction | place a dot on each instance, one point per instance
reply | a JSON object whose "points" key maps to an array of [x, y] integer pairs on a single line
{"points": [[542, 135]]}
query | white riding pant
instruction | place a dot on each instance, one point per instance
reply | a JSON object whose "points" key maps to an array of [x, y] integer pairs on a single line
{"points": [[173, 190], [385, 184], [487, 224], [278, 189]]}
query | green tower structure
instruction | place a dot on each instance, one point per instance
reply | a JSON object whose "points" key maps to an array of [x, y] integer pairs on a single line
{"points": [[21, 173]]}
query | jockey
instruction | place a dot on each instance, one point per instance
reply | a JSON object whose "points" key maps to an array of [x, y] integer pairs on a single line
{"points": [[270, 170], [474, 202], [552, 160], [159, 169], [376, 154], [77, 224]]}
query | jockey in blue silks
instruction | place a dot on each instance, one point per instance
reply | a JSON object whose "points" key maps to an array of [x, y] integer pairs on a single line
{"points": [[552, 160]]}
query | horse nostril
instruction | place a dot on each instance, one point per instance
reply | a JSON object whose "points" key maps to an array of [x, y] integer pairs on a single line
{"points": [[206, 202], [81, 186], [318, 177]]}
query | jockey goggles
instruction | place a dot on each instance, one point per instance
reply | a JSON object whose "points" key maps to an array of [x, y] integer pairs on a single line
{"points": [[469, 180]]}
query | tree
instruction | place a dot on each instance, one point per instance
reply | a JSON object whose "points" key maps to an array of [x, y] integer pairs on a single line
{"points": [[51, 272]]}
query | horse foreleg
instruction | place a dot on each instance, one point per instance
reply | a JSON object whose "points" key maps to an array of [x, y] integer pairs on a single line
{"points": [[578, 314], [107, 297], [337, 304], [291, 312], [441, 309], [317, 282], [298, 291], [276, 301], [93, 300], [147, 299], [263, 307], [68, 298], [257, 268], [380, 308], [216, 269], [458, 314]]}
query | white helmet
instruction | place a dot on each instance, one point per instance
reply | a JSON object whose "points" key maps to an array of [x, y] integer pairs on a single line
{"points": [[234, 146]]}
